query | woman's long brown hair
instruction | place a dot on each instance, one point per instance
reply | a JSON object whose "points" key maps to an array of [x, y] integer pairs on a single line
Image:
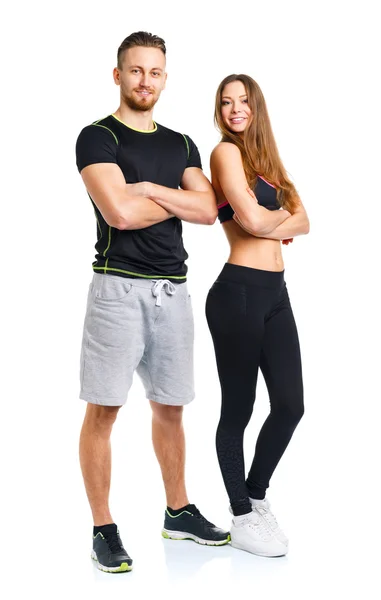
{"points": [[258, 148]]}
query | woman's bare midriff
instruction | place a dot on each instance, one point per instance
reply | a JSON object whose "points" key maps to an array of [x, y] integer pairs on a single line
{"points": [[249, 251]]}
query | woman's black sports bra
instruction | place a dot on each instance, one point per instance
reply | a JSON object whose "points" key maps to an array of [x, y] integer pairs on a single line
{"points": [[264, 192]]}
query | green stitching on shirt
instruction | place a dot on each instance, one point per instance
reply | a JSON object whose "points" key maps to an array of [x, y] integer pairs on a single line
{"points": [[104, 127], [109, 241], [96, 216], [186, 141], [134, 128], [138, 274]]}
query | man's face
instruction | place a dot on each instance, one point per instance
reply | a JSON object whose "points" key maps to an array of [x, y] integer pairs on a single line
{"points": [[142, 77]]}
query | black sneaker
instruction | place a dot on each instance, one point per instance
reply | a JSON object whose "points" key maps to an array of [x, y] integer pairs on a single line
{"points": [[191, 525], [108, 552]]}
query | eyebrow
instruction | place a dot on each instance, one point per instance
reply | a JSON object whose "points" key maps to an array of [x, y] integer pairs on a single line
{"points": [[139, 67], [242, 96]]}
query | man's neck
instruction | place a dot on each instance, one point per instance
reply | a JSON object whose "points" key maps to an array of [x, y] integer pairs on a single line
{"points": [[136, 119]]}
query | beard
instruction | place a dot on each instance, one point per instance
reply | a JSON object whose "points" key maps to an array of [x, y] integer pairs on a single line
{"points": [[140, 104]]}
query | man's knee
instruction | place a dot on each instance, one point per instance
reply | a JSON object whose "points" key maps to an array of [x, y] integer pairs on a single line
{"points": [[167, 414], [101, 417]]}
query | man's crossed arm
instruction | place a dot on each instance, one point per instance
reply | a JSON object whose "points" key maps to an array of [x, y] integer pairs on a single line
{"points": [[139, 205]]}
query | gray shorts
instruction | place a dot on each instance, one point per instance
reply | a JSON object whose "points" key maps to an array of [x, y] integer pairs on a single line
{"points": [[137, 324]]}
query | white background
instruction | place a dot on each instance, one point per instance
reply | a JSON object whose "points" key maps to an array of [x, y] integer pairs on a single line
{"points": [[316, 64]]}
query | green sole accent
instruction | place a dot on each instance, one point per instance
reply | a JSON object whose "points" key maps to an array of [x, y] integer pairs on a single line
{"points": [[124, 567], [168, 537], [222, 543]]}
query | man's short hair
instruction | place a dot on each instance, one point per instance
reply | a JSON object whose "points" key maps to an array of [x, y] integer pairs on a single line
{"points": [[140, 38]]}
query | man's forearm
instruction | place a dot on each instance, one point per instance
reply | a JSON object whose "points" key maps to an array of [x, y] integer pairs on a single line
{"points": [[191, 206], [139, 212]]}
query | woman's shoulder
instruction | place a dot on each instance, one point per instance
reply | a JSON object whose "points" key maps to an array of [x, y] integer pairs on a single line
{"points": [[225, 149]]}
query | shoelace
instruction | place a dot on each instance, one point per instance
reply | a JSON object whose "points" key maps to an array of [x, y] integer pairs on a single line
{"points": [[113, 542], [269, 516], [256, 523], [196, 513]]}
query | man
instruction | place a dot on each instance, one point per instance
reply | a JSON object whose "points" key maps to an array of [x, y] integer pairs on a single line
{"points": [[139, 315]]}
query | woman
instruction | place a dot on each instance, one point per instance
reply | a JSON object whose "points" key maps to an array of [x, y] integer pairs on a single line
{"points": [[248, 309]]}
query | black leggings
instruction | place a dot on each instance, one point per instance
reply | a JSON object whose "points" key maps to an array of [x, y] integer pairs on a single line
{"points": [[252, 325]]}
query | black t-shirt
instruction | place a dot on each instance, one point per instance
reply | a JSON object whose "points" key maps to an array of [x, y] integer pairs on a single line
{"points": [[159, 156]]}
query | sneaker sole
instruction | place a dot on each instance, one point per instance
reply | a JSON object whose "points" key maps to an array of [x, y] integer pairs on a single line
{"points": [[121, 569], [168, 534], [264, 554]]}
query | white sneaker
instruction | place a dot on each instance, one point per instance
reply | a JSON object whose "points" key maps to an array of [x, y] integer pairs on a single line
{"points": [[249, 532], [262, 507]]}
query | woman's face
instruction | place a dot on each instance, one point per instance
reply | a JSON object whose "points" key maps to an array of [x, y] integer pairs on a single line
{"points": [[235, 110]]}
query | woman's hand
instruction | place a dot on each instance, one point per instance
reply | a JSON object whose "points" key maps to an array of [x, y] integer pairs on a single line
{"points": [[286, 241]]}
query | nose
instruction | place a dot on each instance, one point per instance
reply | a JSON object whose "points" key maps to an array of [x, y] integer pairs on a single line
{"points": [[144, 80], [235, 109]]}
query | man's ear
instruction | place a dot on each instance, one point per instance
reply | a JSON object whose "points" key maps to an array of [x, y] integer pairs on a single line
{"points": [[116, 75]]}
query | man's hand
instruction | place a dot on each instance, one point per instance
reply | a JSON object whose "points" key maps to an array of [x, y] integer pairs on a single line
{"points": [[143, 188]]}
